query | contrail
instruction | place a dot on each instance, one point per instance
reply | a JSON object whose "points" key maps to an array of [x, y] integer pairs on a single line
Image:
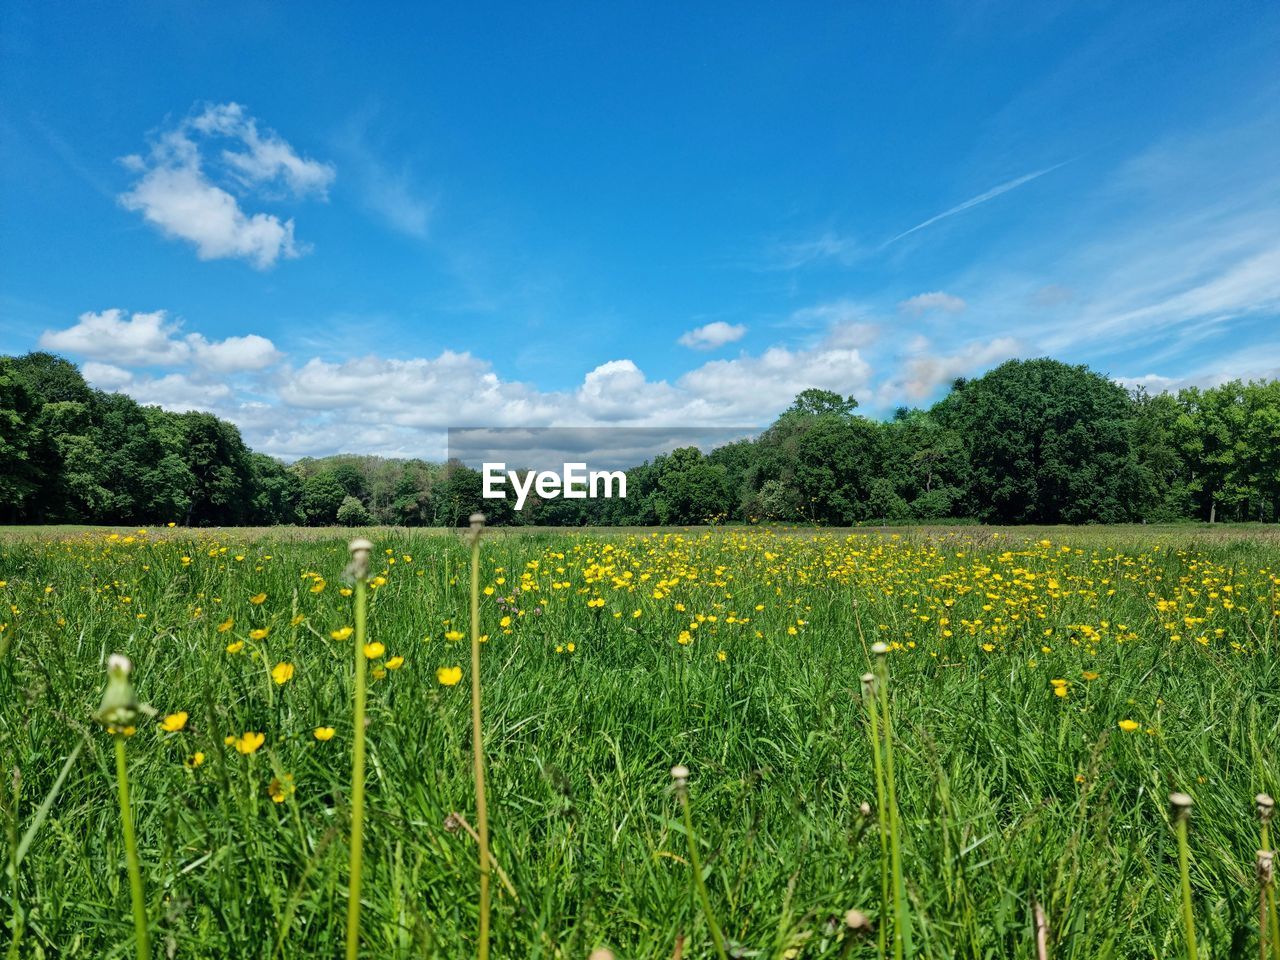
{"points": [[974, 201]]}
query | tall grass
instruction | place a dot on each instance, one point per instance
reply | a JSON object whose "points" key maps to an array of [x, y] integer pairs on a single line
{"points": [[477, 742], [358, 571], [1006, 790]]}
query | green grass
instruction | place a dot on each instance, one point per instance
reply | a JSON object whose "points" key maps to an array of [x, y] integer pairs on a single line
{"points": [[1008, 794]]}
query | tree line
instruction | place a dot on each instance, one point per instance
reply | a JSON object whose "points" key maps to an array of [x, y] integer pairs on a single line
{"points": [[1031, 441]]}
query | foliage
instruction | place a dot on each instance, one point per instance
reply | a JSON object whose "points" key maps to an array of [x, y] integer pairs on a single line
{"points": [[1034, 441]]}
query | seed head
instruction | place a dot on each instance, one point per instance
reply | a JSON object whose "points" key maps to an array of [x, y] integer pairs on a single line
{"points": [[879, 648], [864, 808], [680, 774], [856, 922], [477, 525], [601, 953], [868, 686], [1266, 867], [452, 823], [358, 568], [1266, 806], [1179, 806]]}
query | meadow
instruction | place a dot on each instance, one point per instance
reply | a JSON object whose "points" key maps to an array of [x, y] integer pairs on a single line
{"points": [[1049, 689]]}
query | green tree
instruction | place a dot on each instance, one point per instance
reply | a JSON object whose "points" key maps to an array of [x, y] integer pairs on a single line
{"points": [[322, 495], [690, 490], [353, 513], [1047, 443]]}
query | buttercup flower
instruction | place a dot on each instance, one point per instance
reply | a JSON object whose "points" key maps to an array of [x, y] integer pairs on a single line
{"points": [[449, 675]]}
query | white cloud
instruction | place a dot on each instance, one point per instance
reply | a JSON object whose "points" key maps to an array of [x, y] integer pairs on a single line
{"points": [[924, 372], [266, 157], [234, 354], [712, 335], [402, 407], [116, 339], [937, 300], [176, 193], [106, 376], [141, 340], [180, 392]]}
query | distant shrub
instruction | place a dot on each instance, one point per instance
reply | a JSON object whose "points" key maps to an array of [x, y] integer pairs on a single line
{"points": [[353, 513]]}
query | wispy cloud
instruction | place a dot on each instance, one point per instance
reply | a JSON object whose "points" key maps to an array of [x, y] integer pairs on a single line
{"points": [[389, 191], [975, 201], [828, 246], [936, 300]]}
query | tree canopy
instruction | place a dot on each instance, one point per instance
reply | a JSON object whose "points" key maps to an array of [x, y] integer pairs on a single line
{"points": [[1031, 441]]}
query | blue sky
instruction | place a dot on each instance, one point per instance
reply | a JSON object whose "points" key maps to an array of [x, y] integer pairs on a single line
{"points": [[348, 228]]}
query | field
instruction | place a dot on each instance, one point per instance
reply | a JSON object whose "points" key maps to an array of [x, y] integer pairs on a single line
{"points": [[1049, 689]]}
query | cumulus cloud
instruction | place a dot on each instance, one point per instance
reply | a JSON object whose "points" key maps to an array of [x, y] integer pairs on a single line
{"points": [[234, 354], [178, 190], [712, 335], [937, 300], [114, 339], [140, 340], [401, 407]]}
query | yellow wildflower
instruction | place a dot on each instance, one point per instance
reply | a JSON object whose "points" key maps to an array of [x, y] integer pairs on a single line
{"points": [[249, 742]]}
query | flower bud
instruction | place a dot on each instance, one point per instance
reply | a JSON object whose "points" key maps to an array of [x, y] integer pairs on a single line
{"points": [[120, 707]]}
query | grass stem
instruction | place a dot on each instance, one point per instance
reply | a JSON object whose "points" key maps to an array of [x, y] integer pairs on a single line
{"points": [[141, 936], [360, 567], [901, 925], [1180, 805], [680, 775], [871, 701], [477, 738]]}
